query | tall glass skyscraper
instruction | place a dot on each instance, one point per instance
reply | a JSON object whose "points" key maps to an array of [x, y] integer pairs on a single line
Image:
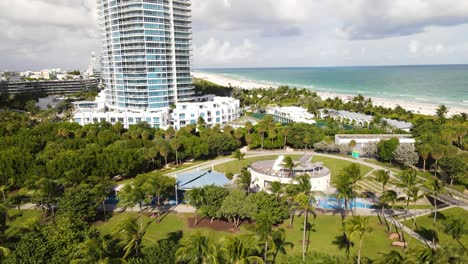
{"points": [[146, 47]]}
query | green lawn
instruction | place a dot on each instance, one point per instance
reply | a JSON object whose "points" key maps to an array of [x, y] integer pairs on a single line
{"points": [[236, 166], [391, 167], [424, 225], [17, 219], [326, 230], [336, 165]]}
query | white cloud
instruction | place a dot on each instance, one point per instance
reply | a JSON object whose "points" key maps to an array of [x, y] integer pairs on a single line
{"points": [[238, 33], [216, 52], [413, 46]]}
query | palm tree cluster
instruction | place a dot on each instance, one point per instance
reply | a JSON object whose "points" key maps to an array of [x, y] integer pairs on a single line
{"points": [[260, 247]]}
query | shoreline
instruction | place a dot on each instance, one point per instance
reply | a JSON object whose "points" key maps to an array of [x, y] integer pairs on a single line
{"points": [[414, 107]]}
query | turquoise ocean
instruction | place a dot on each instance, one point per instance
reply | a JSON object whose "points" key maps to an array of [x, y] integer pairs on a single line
{"points": [[432, 84]]}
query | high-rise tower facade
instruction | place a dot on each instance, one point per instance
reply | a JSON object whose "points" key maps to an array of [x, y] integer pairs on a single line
{"points": [[146, 47]]}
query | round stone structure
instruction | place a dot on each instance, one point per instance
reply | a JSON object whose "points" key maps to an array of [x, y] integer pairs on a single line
{"points": [[265, 172]]}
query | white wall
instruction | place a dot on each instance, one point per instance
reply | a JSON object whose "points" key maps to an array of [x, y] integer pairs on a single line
{"points": [[318, 183]]}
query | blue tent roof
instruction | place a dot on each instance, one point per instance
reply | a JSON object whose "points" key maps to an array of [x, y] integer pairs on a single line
{"points": [[197, 179]]}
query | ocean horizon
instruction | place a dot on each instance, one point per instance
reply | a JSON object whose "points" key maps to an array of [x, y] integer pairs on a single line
{"points": [[430, 84]]}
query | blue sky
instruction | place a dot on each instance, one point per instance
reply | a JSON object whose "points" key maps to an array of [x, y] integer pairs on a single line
{"points": [[40, 34]]}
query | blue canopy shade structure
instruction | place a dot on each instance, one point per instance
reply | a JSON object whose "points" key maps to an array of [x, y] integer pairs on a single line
{"points": [[198, 179]]}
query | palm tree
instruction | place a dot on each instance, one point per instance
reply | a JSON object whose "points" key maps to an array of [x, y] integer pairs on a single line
{"points": [[388, 197], [157, 185], [455, 227], [101, 190], [409, 182], [392, 257], [442, 111], [291, 191], [437, 153], [238, 154], [248, 126], [129, 235], [197, 249], [357, 228], [164, 152], [241, 249], [288, 163], [276, 188], [175, 145], [46, 192], [195, 198], [264, 229], [435, 188], [238, 134], [383, 177], [96, 250], [424, 151], [244, 180], [130, 195], [304, 204], [262, 127], [279, 243], [285, 131]]}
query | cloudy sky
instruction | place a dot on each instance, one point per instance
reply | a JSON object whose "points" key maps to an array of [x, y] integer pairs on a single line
{"points": [[254, 33]]}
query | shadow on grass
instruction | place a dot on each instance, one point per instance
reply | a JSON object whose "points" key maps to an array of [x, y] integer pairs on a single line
{"points": [[175, 236], [342, 242]]}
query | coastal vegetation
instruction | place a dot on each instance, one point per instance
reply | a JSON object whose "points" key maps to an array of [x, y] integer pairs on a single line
{"points": [[67, 172]]}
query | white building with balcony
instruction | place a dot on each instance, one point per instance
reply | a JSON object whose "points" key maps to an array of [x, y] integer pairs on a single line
{"points": [[220, 110], [146, 49]]}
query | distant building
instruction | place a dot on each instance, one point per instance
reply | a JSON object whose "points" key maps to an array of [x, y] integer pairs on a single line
{"points": [[220, 110], [362, 119], [364, 139], [94, 69], [291, 114], [48, 87]]}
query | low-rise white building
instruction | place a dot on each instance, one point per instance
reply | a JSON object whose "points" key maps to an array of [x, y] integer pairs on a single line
{"points": [[362, 119], [363, 139], [291, 114], [220, 110]]}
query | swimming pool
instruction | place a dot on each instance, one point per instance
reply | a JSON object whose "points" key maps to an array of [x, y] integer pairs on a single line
{"points": [[332, 202]]}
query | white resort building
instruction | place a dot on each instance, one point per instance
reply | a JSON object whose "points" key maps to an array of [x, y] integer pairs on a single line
{"points": [[364, 139], [291, 114], [362, 119], [265, 172], [146, 49]]}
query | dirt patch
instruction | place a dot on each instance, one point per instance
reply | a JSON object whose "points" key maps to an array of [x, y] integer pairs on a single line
{"points": [[306, 242], [216, 225]]}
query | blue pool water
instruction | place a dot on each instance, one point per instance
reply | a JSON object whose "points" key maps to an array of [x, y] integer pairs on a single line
{"points": [[335, 203]]}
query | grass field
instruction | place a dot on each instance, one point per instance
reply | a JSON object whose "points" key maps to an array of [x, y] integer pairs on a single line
{"points": [[17, 219], [325, 231], [336, 165], [236, 166], [424, 225]]}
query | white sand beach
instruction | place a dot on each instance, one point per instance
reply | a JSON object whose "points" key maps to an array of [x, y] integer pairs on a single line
{"points": [[415, 107]]}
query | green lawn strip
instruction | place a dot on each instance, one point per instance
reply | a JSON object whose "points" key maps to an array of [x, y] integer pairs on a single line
{"points": [[327, 229], [156, 231], [336, 165], [424, 225], [236, 166], [391, 167], [17, 219]]}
